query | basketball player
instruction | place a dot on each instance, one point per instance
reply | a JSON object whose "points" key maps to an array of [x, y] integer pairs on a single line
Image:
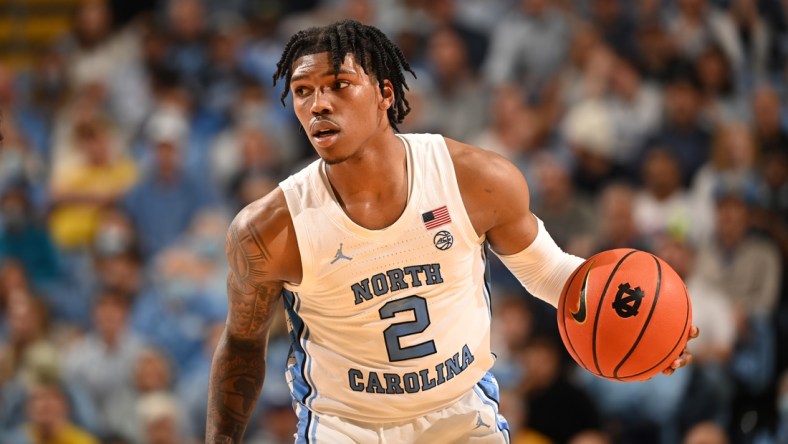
{"points": [[378, 251]]}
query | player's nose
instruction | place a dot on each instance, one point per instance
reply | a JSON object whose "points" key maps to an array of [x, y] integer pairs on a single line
{"points": [[321, 103]]}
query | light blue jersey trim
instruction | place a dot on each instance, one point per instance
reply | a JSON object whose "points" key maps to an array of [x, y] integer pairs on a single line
{"points": [[303, 387]]}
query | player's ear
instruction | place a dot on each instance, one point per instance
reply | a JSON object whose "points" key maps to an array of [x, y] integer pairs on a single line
{"points": [[387, 95]]}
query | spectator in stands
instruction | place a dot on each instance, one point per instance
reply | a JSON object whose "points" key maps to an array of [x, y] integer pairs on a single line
{"points": [[503, 134], [697, 24], [514, 327], [756, 38], [547, 390], [47, 419], [617, 227], [682, 131], [244, 151], [187, 28], [204, 239], [745, 265], [587, 76], [33, 356], [443, 14], [98, 179], [456, 103], [160, 416], [87, 50], [221, 79], [152, 375], [174, 311], [768, 123], [636, 109], [711, 391], [529, 44], [249, 187], [773, 220], [25, 239], [19, 162], [514, 408], [569, 216], [167, 188], [617, 29], [663, 206], [278, 424], [192, 386], [110, 343], [748, 268], [719, 89], [27, 323], [115, 253], [657, 56], [589, 132], [733, 164], [22, 116]]}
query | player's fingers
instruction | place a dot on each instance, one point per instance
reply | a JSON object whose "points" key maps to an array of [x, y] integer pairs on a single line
{"points": [[687, 358], [684, 359], [694, 332]]}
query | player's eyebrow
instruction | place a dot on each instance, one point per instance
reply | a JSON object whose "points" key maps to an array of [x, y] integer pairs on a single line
{"points": [[330, 72]]}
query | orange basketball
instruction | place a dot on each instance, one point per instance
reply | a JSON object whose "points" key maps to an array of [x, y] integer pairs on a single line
{"points": [[624, 315]]}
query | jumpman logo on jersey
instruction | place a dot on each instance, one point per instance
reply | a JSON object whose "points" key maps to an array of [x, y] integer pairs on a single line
{"points": [[341, 255], [480, 422]]}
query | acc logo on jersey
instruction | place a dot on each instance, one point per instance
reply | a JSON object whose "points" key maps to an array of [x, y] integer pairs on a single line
{"points": [[443, 240]]}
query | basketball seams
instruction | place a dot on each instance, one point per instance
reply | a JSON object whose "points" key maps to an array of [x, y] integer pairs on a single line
{"points": [[673, 350], [599, 309], [562, 319], [648, 319]]}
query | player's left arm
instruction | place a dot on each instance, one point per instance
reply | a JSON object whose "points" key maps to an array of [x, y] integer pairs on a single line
{"points": [[496, 197]]}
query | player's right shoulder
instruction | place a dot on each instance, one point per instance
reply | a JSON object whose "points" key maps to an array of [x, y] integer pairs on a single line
{"points": [[261, 240]]}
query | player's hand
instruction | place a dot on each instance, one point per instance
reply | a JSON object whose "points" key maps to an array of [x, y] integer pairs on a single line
{"points": [[686, 357]]}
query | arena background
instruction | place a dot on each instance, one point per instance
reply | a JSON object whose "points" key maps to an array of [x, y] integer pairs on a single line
{"points": [[134, 130]]}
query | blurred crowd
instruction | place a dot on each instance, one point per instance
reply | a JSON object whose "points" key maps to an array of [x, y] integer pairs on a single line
{"points": [[129, 145]]}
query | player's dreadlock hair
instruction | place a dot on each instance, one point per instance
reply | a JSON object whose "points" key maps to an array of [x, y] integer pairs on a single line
{"points": [[369, 46]]}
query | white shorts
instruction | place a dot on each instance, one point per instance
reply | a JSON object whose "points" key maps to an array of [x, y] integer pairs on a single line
{"points": [[473, 418]]}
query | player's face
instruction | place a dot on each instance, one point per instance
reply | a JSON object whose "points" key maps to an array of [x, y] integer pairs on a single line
{"points": [[340, 114]]}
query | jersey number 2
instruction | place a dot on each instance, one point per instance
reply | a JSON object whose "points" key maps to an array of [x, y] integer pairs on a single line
{"points": [[420, 322]]}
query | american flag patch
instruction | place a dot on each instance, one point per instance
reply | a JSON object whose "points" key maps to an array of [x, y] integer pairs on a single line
{"points": [[436, 218]]}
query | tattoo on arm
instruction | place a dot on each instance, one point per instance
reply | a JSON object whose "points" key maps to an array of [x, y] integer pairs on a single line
{"points": [[238, 365]]}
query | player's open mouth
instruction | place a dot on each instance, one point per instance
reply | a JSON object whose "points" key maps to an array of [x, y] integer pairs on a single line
{"points": [[325, 138]]}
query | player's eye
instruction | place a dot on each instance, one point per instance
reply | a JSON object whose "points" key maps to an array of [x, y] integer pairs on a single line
{"points": [[341, 84], [300, 91]]}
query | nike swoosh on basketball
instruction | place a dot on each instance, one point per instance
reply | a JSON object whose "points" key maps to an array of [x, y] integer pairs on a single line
{"points": [[580, 314]]}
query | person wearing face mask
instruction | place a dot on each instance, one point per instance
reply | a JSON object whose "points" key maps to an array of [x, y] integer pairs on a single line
{"points": [[175, 311]]}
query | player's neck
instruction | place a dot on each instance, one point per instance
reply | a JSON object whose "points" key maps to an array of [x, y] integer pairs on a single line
{"points": [[376, 167], [372, 186]]}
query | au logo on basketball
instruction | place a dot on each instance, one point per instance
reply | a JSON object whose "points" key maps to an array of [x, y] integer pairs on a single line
{"points": [[628, 300]]}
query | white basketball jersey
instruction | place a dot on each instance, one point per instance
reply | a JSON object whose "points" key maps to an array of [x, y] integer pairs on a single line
{"points": [[387, 324]]}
